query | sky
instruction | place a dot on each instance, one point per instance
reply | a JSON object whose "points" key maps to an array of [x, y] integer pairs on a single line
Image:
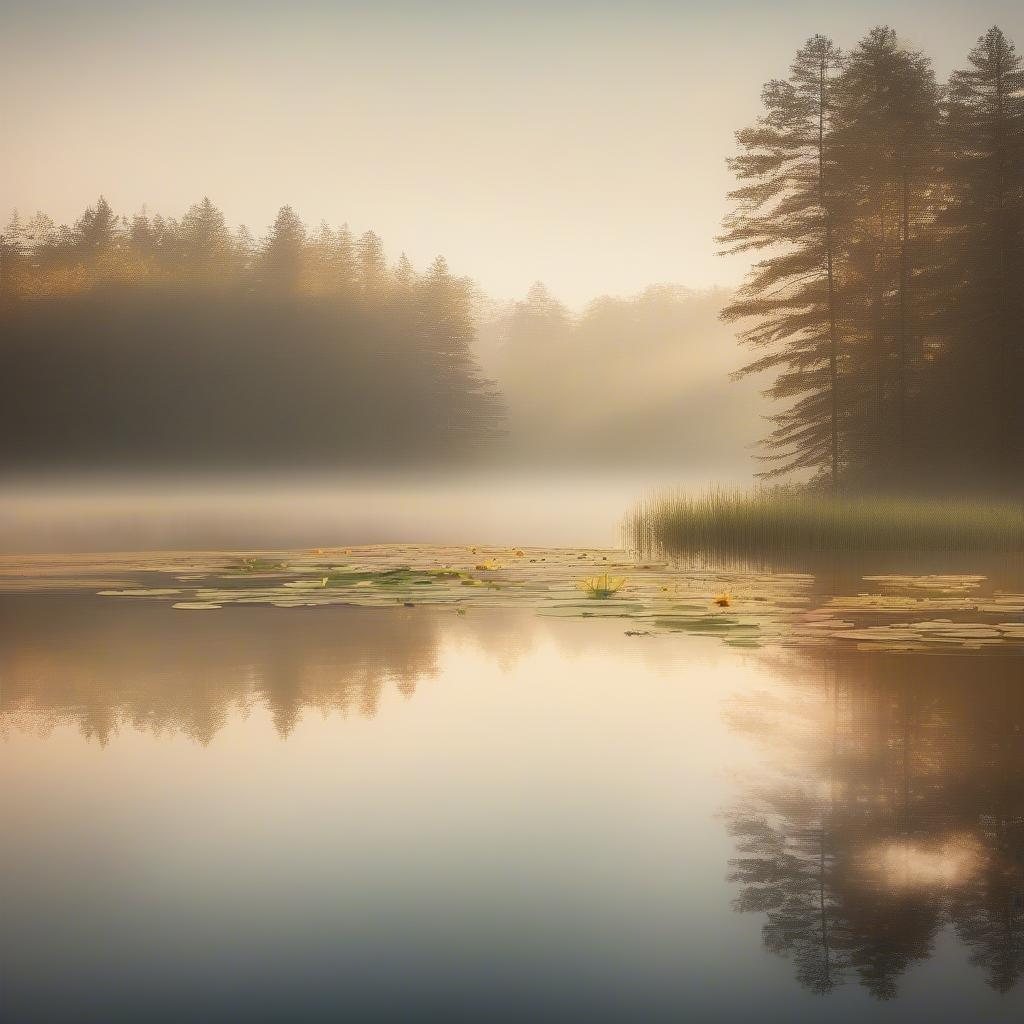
{"points": [[578, 143]]}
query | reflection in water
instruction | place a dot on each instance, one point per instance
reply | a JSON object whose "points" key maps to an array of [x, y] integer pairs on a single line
{"points": [[65, 659], [891, 804], [558, 781]]}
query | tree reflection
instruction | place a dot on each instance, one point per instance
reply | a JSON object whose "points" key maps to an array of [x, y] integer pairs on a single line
{"points": [[81, 661], [889, 806]]}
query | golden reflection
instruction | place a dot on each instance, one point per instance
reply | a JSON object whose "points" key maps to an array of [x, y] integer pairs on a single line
{"points": [[889, 806], [72, 661], [907, 864]]}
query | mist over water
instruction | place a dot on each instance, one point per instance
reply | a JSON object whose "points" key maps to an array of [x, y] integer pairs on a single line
{"points": [[341, 508]]}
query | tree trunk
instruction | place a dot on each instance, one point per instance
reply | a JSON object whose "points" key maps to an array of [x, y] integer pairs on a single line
{"points": [[830, 272], [904, 330]]}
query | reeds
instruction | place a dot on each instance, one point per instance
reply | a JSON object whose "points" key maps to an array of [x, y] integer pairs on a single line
{"points": [[753, 525]]}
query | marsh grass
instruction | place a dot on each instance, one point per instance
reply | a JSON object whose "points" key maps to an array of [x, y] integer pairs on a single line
{"points": [[755, 525]]}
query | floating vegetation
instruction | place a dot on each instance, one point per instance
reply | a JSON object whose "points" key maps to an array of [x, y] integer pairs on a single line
{"points": [[739, 608], [943, 584], [601, 587], [254, 564], [138, 592], [722, 524]]}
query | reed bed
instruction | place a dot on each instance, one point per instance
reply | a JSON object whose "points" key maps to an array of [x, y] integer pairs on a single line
{"points": [[752, 525]]}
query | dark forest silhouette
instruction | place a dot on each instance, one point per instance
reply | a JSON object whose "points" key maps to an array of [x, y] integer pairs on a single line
{"points": [[182, 342], [891, 308]]}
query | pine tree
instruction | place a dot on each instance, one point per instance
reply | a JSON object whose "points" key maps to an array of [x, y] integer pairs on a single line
{"points": [[97, 230], [12, 256], [372, 263], [282, 264], [887, 143], [465, 404], [206, 245], [346, 260], [405, 274], [789, 203], [984, 272]]}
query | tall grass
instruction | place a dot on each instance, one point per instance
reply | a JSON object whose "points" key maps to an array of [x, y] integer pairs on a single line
{"points": [[754, 525]]}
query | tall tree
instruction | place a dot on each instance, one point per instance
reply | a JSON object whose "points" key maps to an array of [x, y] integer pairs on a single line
{"points": [[207, 248], [466, 403], [789, 204], [97, 230], [984, 274], [283, 255], [886, 144], [372, 263], [12, 255]]}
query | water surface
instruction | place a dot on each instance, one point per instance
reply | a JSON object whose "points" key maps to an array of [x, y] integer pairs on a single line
{"points": [[400, 812]]}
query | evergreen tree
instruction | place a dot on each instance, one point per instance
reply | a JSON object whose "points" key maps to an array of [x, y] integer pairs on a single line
{"points": [[12, 256], [887, 135], [346, 260], [788, 203], [405, 275], [372, 263], [97, 230], [283, 254], [983, 275], [206, 247], [465, 404]]}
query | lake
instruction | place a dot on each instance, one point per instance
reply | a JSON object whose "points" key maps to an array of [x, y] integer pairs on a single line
{"points": [[312, 801]]}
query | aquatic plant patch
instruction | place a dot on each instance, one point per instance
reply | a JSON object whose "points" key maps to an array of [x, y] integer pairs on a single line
{"points": [[741, 609]]}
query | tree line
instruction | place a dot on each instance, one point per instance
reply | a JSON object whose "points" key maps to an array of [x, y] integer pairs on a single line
{"points": [[136, 339], [628, 381], [888, 303]]}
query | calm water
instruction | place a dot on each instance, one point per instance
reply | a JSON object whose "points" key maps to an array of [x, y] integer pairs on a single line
{"points": [[284, 814]]}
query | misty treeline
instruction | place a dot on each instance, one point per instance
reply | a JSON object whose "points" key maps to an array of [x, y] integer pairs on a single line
{"points": [[889, 306], [138, 340], [127, 340], [637, 380]]}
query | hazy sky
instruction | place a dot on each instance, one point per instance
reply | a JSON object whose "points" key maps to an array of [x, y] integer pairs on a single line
{"points": [[580, 143]]}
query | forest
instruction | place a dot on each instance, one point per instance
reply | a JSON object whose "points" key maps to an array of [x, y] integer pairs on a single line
{"points": [[145, 340], [888, 212], [884, 213]]}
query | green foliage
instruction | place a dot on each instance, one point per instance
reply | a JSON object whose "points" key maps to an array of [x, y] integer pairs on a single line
{"points": [[601, 587]]}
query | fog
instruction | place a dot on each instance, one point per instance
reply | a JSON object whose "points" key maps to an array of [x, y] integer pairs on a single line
{"points": [[511, 507]]}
